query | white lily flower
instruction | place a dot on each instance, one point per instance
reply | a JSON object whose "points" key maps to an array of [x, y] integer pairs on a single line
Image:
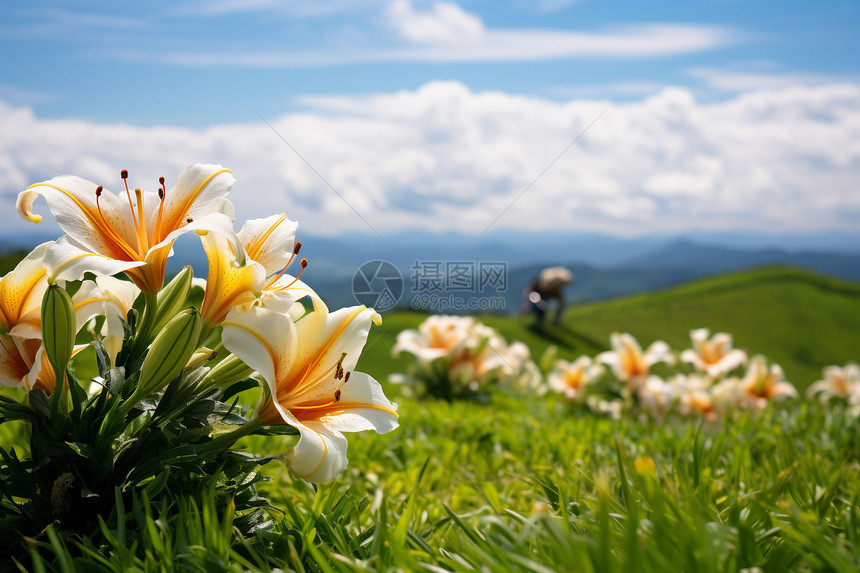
{"points": [[761, 384], [307, 364], [439, 335], [714, 356], [107, 234], [656, 397], [840, 382], [109, 297], [693, 396], [629, 363], [571, 379], [269, 248], [21, 292]]}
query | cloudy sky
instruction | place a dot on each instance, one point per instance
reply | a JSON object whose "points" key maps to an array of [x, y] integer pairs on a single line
{"points": [[628, 118]]}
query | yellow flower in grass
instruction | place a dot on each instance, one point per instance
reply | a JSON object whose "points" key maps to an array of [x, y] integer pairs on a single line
{"points": [[307, 362], [269, 247], [107, 234], [629, 363], [715, 355]]}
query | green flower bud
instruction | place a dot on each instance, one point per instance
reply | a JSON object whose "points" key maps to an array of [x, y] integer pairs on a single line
{"points": [[172, 298], [170, 352], [58, 329], [228, 372]]}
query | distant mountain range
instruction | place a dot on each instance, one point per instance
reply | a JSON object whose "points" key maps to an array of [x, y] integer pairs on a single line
{"points": [[604, 266]]}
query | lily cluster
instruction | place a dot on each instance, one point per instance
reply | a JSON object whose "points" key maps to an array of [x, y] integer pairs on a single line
{"points": [[696, 383], [458, 357], [124, 387]]}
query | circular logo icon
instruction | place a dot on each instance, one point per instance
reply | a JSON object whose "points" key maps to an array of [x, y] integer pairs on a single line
{"points": [[377, 284]]}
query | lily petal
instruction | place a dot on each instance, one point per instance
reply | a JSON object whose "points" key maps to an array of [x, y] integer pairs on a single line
{"points": [[262, 339], [362, 406], [195, 195], [228, 284], [269, 241], [320, 454], [68, 260], [21, 292]]}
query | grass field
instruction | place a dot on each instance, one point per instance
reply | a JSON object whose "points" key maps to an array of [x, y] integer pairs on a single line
{"points": [[524, 484]]}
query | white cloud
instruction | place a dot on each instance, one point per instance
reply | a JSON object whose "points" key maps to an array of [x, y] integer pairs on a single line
{"points": [[445, 23], [446, 158], [444, 32], [741, 81], [452, 43]]}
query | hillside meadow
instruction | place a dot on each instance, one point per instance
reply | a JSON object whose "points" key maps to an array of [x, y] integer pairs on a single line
{"points": [[801, 320], [525, 483]]}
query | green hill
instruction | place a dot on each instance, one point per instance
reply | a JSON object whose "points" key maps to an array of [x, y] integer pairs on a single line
{"points": [[798, 319]]}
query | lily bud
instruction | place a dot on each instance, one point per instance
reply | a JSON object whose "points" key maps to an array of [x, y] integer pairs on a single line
{"points": [[58, 328], [170, 352], [200, 357], [172, 298], [228, 372]]}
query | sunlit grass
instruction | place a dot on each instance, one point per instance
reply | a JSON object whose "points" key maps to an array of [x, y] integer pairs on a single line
{"points": [[524, 484]]}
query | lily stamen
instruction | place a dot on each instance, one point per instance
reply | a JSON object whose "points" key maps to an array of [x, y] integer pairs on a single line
{"points": [[109, 228], [296, 248], [304, 264], [142, 239], [124, 175], [303, 383], [162, 193]]}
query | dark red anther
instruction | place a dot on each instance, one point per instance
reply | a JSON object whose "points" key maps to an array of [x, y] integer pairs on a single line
{"points": [[346, 376], [297, 247], [124, 173], [304, 263], [337, 395], [161, 180], [99, 190], [189, 220], [213, 355]]}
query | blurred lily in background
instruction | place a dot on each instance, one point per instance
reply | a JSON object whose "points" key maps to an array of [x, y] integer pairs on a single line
{"points": [[629, 363], [838, 382], [571, 379], [715, 355], [762, 384]]}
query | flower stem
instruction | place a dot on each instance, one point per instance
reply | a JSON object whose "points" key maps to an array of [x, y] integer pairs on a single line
{"points": [[224, 441], [147, 321]]}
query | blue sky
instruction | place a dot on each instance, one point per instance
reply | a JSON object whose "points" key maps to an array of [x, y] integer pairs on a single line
{"points": [[718, 116], [198, 63]]}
